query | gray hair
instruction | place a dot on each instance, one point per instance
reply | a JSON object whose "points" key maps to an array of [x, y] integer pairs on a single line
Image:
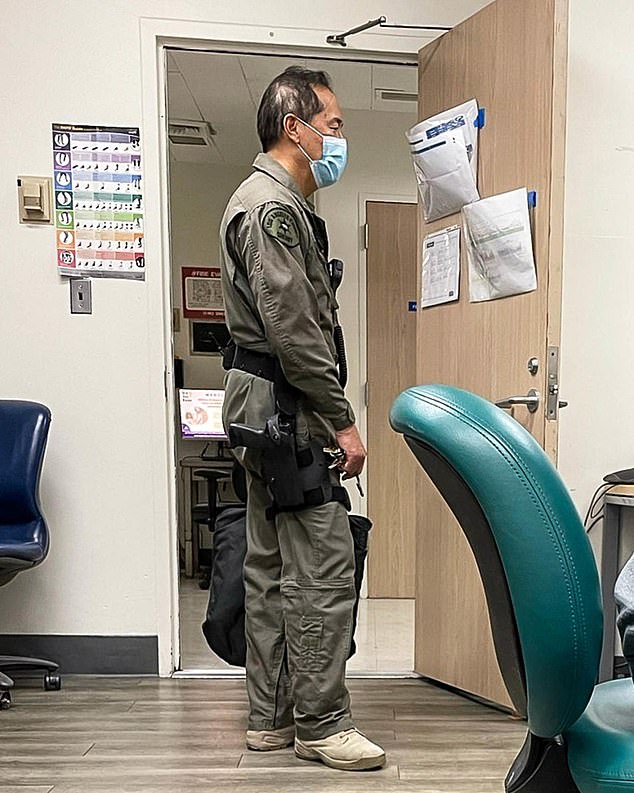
{"points": [[290, 92]]}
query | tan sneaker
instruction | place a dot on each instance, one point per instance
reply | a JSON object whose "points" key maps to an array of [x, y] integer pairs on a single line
{"points": [[269, 740], [348, 750]]}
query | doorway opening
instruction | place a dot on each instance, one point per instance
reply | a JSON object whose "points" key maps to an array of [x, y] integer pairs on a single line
{"points": [[212, 99]]}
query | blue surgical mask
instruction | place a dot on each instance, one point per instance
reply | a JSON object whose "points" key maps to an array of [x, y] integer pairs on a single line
{"points": [[332, 163]]}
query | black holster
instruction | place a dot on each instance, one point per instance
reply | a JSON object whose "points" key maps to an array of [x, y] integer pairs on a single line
{"points": [[297, 478], [312, 477]]}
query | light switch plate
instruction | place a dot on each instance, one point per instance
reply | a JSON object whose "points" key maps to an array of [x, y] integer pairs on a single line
{"points": [[80, 296], [35, 199]]}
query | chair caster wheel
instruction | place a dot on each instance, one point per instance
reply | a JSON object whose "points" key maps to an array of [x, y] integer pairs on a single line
{"points": [[5, 700], [52, 681]]}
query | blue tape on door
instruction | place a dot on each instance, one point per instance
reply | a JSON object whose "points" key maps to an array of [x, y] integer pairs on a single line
{"points": [[480, 120]]}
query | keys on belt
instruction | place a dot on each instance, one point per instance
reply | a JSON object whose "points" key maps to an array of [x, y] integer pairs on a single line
{"points": [[339, 457]]}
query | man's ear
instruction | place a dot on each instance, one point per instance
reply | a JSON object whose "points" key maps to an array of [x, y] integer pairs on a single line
{"points": [[291, 127]]}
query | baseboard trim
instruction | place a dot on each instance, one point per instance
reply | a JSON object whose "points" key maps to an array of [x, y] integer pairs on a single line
{"points": [[88, 655]]}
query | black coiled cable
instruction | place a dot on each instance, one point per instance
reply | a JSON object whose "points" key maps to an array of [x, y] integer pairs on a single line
{"points": [[340, 347]]}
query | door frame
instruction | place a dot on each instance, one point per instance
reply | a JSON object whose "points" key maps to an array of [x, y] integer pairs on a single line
{"points": [[156, 37]]}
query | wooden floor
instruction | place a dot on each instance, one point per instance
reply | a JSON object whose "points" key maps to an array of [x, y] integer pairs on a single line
{"points": [[179, 736]]}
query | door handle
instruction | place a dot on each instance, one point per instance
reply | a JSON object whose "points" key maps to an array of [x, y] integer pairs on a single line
{"points": [[531, 400]]}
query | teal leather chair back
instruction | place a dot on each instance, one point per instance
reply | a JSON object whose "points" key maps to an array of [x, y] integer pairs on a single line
{"points": [[537, 566]]}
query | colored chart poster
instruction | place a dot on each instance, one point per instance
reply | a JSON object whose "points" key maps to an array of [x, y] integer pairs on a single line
{"points": [[202, 293], [98, 201]]}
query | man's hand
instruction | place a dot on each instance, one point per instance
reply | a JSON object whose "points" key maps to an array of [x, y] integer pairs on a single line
{"points": [[350, 441]]}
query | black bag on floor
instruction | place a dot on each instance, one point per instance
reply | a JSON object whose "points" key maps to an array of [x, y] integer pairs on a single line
{"points": [[224, 623], [360, 528]]}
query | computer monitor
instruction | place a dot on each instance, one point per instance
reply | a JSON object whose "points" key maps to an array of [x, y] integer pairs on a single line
{"points": [[209, 338], [201, 413]]}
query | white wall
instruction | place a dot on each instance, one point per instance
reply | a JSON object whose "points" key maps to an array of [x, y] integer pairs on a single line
{"points": [[106, 487], [597, 377], [378, 164], [198, 195]]}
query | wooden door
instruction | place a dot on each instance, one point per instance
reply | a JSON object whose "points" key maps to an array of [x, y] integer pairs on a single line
{"points": [[511, 58], [391, 367]]}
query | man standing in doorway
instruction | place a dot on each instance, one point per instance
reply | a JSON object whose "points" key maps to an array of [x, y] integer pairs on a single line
{"points": [[280, 308]]}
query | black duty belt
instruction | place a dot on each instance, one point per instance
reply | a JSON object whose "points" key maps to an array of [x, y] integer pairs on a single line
{"points": [[259, 364]]}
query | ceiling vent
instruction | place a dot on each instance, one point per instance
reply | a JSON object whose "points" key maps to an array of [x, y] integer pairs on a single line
{"points": [[394, 99], [182, 132], [390, 95]]}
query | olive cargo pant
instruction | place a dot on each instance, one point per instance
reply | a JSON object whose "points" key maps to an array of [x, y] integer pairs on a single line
{"points": [[299, 581]]}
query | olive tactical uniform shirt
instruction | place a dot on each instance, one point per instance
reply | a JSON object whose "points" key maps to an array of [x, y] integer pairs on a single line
{"points": [[277, 292]]}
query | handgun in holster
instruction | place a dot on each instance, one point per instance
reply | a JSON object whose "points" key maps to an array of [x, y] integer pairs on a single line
{"points": [[279, 458], [297, 478]]}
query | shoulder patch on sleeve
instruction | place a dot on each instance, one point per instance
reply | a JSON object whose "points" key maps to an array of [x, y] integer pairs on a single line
{"points": [[279, 223]]}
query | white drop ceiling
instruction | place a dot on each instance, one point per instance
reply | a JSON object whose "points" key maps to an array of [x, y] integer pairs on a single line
{"points": [[225, 90]]}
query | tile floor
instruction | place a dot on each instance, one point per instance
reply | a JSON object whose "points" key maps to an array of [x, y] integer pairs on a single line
{"points": [[384, 635]]}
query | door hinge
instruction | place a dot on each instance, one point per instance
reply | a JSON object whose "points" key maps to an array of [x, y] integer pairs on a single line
{"points": [[365, 237], [167, 378], [366, 393], [553, 403]]}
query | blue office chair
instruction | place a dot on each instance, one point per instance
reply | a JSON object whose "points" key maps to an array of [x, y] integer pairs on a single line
{"points": [[541, 586], [24, 536]]}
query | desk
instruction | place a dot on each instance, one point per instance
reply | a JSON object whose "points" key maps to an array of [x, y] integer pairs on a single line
{"points": [[185, 525], [615, 501]]}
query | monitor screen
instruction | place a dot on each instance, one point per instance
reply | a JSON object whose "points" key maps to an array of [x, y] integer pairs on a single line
{"points": [[209, 337], [201, 413]]}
